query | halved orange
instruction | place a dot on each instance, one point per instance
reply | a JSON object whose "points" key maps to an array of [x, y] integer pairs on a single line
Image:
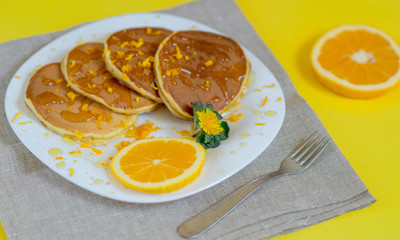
{"points": [[159, 165], [357, 61]]}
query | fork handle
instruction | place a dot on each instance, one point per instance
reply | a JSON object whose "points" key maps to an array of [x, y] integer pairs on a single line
{"points": [[206, 219]]}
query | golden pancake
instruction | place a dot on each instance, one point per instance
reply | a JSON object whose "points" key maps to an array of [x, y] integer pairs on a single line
{"points": [[86, 73], [129, 56], [194, 66], [70, 114]]}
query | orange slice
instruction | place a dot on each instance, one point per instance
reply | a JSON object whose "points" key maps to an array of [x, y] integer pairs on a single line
{"points": [[159, 165], [357, 61]]}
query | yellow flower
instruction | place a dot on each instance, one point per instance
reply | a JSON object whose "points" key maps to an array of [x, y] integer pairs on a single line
{"points": [[209, 122]]}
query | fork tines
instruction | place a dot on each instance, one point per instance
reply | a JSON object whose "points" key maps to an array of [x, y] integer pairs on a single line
{"points": [[309, 150]]}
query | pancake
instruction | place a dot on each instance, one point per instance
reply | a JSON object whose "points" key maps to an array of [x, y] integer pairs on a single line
{"points": [[86, 72], [129, 56], [68, 113], [194, 66]]}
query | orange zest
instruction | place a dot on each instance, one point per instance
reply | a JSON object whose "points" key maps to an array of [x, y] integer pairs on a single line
{"points": [[264, 101], [121, 145], [95, 150], [159, 165], [142, 131], [357, 61], [16, 115], [184, 133], [78, 134], [234, 118], [76, 152]]}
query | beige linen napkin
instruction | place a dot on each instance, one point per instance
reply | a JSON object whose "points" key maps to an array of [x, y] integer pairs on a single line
{"points": [[36, 203]]}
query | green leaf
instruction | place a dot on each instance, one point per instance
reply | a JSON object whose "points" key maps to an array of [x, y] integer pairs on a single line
{"points": [[225, 134], [218, 115], [208, 138], [215, 143], [200, 139]]}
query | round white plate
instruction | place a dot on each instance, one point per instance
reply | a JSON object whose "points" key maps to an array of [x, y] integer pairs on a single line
{"points": [[249, 137]]}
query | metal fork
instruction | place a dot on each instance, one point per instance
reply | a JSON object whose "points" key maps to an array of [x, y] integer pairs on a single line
{"points": [[297, 161]]}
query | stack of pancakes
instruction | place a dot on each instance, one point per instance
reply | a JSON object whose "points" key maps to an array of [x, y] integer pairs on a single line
{"points": [[98, 90]]}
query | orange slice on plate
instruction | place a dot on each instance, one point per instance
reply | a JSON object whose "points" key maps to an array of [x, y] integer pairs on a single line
{"points": [[159, 165], [357, 61]]}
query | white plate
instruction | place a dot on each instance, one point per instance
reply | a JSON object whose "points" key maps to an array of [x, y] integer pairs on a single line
{"points": [[248, 137]]}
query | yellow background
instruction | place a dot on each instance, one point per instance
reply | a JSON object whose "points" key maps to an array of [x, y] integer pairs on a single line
{"points": [[366, 131]]}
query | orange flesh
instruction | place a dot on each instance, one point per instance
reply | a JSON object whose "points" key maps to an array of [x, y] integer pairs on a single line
{"points": [[336, 56], [157, 161]]}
